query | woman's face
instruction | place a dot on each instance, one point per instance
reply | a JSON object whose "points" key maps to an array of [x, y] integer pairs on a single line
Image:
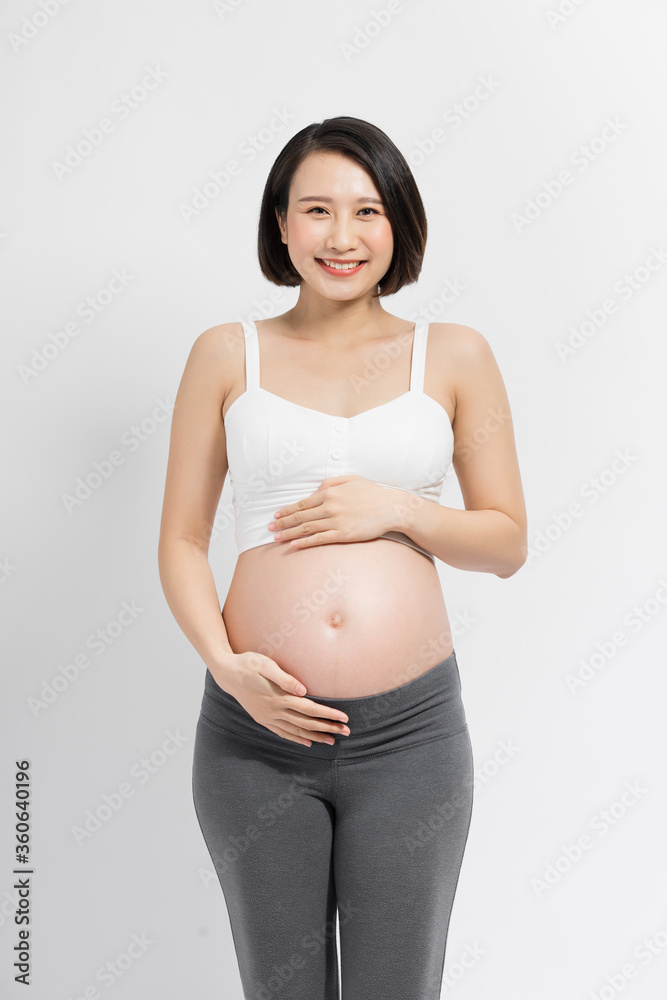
{"points": [[335, 213]]}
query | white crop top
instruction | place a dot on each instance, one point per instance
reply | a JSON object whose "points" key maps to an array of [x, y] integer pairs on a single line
{"points": [[279, 452]]}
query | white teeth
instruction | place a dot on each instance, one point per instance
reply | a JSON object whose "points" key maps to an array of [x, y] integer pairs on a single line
{"points": [[343, 267]]}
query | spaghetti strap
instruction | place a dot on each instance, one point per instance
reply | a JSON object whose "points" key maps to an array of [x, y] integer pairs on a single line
{"points": [[418, 356], [251, 355]]}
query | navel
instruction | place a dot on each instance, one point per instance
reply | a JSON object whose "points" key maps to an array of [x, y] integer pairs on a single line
{"points": [[335, 619]]}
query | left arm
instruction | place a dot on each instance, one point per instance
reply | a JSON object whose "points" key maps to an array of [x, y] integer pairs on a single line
{"points": [[488, 541], [490, 535]]}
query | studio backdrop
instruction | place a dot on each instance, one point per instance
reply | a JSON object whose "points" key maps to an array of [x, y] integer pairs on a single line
{"points": [[137, 141]]}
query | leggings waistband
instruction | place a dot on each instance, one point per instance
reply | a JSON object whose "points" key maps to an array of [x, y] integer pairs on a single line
{"points": [[427, 707]]}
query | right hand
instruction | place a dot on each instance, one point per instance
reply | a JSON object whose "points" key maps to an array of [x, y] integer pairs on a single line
{"points": [[268, 694]]}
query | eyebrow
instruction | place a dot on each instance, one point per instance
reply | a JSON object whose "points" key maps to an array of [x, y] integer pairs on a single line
{"points": [[315, 197]]}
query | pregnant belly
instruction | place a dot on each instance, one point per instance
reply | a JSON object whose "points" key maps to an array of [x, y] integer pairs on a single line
{"points": [[347, 620]]}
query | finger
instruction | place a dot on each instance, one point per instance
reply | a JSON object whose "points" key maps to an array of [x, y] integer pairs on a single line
{"points": [[294, 527], [307, 707], [288, 736], [330, 537], [308, 504], [307, 734], [309, 725], [283, 680]]}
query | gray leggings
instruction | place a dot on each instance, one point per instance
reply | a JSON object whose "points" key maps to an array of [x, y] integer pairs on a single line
{"points": [[371, 829]]}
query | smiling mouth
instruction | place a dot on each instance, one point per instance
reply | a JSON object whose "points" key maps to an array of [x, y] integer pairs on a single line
{"points": [[340, 265]]}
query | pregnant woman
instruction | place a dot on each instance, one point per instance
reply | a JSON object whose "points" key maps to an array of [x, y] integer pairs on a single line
{"points": [[333, 769]]}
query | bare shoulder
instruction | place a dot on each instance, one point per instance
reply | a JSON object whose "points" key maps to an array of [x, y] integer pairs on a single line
{"points": [[462, 362], [217, 359], [459, 342], [222, 342]]}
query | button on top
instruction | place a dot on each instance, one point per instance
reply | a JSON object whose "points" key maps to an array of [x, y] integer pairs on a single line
{"points": [[339, 427], [335, 453]]}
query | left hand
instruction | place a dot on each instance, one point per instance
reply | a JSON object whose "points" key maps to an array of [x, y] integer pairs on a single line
{"points": [[342, 509]]}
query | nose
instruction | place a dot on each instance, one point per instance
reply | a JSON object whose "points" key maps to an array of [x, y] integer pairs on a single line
{"points": [[341, 238]]}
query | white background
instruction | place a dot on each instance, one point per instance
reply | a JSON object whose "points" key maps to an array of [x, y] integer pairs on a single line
{"points": [[224, 71]]}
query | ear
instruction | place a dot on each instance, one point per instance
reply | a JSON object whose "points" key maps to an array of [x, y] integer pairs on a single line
{"points": [[282, 225]]}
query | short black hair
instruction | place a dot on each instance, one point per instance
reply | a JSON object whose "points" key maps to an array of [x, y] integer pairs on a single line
{"points": [[373, 150]]}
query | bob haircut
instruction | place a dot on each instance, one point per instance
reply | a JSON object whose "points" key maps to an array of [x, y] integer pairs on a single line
{"points": [[373, 150]]}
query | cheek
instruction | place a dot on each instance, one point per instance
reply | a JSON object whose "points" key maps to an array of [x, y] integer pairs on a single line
{"points": [[383, 239], [300, 234]]}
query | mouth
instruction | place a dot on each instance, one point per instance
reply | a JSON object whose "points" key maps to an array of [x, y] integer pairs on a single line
{"points": [[340, 267]]}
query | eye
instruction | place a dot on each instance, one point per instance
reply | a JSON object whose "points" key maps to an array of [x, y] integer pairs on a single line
{"points": [[318, 208]]}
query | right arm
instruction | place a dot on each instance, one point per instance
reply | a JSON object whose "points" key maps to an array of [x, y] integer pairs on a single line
{"points": [[196, 471]]}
